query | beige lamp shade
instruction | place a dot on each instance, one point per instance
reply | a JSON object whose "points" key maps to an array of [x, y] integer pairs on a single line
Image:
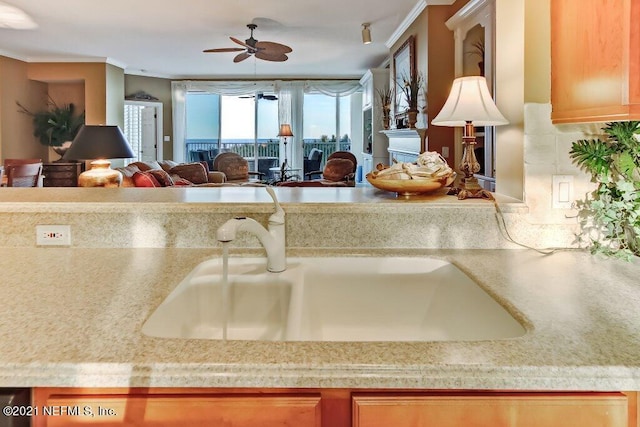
{"points": [[469, 101], [285, 130]]}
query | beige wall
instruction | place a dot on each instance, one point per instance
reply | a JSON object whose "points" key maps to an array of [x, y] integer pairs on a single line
{"points": [[114, 94], [509, 96], [16, 130], [103, 83], [161, 89], [537, 60], [546, 146], [96, 88]]}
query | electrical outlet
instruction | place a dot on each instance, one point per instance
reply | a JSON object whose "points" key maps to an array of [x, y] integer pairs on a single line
{"points": [[445, 152], [53, 235]]}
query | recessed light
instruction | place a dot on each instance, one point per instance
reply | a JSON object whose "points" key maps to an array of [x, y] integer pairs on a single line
{"points": [[15, 19]]}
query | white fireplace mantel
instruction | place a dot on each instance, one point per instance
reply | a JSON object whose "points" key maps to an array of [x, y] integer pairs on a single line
{"points": [[407, 141]]}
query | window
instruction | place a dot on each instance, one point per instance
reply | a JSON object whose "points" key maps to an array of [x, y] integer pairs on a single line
{"points": [[327, 123], [133, 128], [216, 114], [203, 123], [247, 125]]}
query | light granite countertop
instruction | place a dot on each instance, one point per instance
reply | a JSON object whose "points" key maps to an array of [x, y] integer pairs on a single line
{"points": [[73, 317]]}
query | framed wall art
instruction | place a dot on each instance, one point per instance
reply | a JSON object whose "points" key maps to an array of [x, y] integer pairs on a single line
{"points": [[404, 67]]}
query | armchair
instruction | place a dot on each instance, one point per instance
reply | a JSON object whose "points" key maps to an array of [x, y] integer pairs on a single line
{"points": [[339, 171], [236, 168]]}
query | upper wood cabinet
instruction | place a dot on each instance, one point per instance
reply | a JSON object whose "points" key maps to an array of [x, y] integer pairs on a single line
{"points": [[595, 60]]}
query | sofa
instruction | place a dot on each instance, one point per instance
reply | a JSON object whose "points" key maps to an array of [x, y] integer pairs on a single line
{"points": [[167, 173]]}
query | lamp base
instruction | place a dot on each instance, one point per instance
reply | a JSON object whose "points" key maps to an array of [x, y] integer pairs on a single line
{"points": [[100, 175], [470, 189]]}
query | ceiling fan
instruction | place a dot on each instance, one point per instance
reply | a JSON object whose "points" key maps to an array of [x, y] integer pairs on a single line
{"points": [[268, 51]]}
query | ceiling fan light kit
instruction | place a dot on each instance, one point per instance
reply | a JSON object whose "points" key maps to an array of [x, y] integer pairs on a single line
{"points": [[267, 51]]}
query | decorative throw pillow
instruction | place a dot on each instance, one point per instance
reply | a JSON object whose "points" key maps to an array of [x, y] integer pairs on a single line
{"points": [[145, 179], [145, 166], [166, 165], [337, 169], [194, 172], [177, 181], [127, 175], [163, 177]]}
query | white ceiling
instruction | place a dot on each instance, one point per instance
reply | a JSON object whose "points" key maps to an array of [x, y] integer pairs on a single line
{"points": [[165, 38]]}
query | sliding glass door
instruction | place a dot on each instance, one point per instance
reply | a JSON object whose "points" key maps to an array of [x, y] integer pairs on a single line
{"points": [[246, 124]]}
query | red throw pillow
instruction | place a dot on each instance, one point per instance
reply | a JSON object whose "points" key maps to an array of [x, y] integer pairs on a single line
{"points": [[162, 177], [145, 179]]}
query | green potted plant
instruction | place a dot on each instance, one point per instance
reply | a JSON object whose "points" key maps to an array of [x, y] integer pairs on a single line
{"points": [[56, 126], [610, 215]]}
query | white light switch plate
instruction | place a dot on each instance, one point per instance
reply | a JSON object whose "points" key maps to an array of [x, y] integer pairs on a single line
{"points": [[562, 192]]}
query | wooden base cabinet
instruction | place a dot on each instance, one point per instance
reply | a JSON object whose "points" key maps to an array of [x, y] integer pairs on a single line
{"points": [[169, 408], [200, 407], [495, 410]]}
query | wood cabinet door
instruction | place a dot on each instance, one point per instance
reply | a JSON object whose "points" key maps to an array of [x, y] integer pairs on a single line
{"points": [[175, 409], [484, 410], [595, 60]]}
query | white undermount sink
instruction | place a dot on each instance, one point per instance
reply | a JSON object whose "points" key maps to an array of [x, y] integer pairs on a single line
{"points": [[332, 299]]}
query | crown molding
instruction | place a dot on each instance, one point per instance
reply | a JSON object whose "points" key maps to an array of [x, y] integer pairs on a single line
{"points": [[465, 12], [412, 16]]}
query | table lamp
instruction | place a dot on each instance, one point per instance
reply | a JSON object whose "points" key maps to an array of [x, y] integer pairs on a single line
{"points": [[469, 104], [285, 131], [99, 143]]}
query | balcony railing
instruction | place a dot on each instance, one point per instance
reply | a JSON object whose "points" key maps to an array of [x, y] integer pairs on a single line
{"points": [[269, 148]]}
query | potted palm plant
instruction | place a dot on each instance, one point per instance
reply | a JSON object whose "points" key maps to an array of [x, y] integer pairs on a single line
{"points": [[410, 87], [56, 126], [610, 215], [386, 99]]}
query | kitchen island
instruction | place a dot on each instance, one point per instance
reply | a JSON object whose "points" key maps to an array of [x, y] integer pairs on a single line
{"points": [[71, 323], [73, 317]]}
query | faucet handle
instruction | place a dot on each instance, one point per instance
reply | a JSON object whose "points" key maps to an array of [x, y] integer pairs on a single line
{"points": [[278, 216]]}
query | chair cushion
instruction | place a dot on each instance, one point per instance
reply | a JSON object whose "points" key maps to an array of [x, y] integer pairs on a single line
{"points": [[217, 177], [337, 169], [193, 172]]}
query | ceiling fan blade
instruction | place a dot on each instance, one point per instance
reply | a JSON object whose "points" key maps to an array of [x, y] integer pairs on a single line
{"points": [[224, 49], [241, 43], [241, 56], [275, 57], [274, 47]]}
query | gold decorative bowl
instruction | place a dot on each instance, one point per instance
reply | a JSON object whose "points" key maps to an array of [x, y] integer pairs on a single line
{"points": [[411, 187]]}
